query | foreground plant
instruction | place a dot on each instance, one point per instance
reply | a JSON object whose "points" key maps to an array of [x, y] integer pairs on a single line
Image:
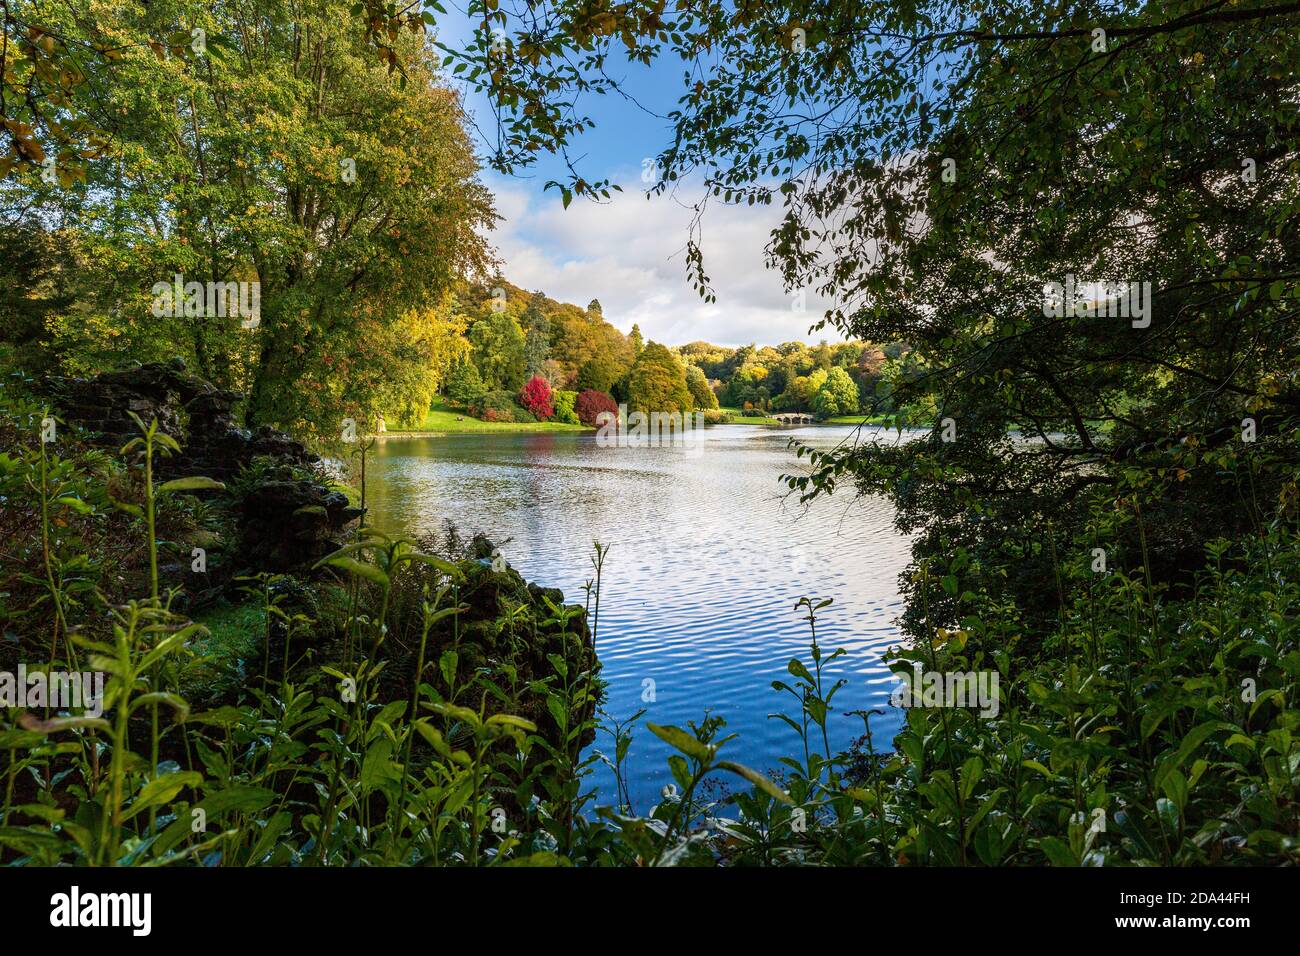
{"points": [[1139, 728]]}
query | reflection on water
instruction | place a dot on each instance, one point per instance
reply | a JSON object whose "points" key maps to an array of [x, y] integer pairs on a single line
{"points": [[707, 560]]}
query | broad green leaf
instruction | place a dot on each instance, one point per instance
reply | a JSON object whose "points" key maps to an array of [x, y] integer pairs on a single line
{"points": [[239, 798], [1058, 852], [512, 721], [757, 779], [360, 569], [680, 739], [162, 789], [190, 484], [76, 504], [446, 567]]}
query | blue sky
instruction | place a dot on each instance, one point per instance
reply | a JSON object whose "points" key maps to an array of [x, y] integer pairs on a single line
{"points": [[629, 253]]}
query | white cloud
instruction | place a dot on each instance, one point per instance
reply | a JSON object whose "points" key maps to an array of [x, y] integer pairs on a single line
{"points": [[630, 254]]}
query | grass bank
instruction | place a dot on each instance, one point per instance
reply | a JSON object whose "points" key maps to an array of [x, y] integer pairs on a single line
{"points": [[445, 420], [855, 420], [738, 417]]}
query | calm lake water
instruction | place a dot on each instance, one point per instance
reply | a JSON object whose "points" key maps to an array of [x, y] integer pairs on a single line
{"points": [[707, 559]]}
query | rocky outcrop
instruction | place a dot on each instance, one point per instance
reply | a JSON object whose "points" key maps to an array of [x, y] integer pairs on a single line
{"points": [[282, 522], [288, 523], [196, 413], [492, 589], [507, 620]]}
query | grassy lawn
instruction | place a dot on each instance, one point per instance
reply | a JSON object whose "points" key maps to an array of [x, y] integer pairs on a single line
{"points": [[738, 417], [445, 420], [235, 633], [854, 420]]}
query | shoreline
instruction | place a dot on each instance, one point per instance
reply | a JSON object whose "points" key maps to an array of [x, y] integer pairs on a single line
{"points": [[519, 429], [543, 428], [451, 421]]}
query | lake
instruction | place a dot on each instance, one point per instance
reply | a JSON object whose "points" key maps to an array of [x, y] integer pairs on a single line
{"points": [[707, 559]]}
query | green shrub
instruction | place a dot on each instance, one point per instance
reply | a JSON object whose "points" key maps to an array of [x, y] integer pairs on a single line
{"points": [[498, 406], [565, 407]]}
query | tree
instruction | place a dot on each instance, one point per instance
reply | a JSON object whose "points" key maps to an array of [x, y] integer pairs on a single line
{"points": [[536, 396], [838, 395], [594, 306], [598, 374], [537, 337], [464, 385], [701, 393], [657, 382], [619, 390], [748, 384], [871, 360], [537, 351], [499, 350], [52, 117], [1068, 260], [345, 199], [711, 359], [800, 392], [40, 279], [534, 317], [637, 342], [424, 345], [554, 373], [566, 407], [575, 335], [591, 404]]}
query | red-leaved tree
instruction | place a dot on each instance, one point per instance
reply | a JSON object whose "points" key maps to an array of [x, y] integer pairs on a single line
{"points": [[537, 397], [591, 403]]}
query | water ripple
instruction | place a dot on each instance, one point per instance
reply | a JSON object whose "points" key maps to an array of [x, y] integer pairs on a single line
{"points": [[708, 557]]}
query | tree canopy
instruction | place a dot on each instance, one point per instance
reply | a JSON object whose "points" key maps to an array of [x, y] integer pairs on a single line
{"points": [[271, 153], [657, 382]]}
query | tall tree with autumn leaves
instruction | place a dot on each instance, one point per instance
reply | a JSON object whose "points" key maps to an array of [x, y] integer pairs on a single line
{"points": [[267, 148]]}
